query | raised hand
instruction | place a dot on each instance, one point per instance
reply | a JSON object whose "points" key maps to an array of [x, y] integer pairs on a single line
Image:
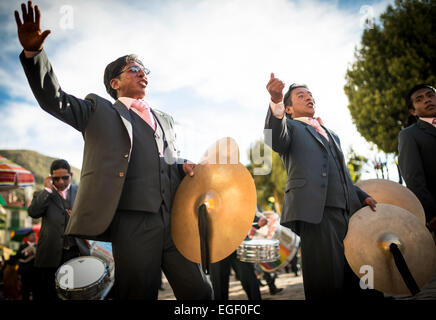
{"points": [[29, 31], [275, 88]]}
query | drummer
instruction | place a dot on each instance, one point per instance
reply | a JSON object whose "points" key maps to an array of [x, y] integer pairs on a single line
{"points": [[220, 271]]}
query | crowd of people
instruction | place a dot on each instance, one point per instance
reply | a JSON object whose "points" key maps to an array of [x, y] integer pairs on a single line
{"points": [[131, 172]]}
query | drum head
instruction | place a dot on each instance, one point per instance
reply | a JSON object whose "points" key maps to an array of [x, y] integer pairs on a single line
{"points": [[80, 272]]}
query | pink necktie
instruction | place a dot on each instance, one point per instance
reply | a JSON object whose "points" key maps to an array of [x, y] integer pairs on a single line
{"points": [[143, 110], [63, 194], [315, 123]]}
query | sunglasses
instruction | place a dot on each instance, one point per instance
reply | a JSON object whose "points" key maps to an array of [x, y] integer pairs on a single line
{"points": [[65, 178], [134, 68]]}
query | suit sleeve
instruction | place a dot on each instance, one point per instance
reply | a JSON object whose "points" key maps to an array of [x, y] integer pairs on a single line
{"points": [[39, 204], [276, 132], [410, 163], [361, 194], [47, 91]]}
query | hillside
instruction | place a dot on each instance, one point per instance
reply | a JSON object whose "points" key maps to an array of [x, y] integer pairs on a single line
{"points": [[37, 163]]}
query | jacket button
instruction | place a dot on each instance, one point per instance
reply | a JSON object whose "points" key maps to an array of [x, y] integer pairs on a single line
{"points": [[126, 155], [324, 174], [121, 174]]}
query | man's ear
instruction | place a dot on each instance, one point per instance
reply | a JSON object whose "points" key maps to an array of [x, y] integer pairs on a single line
{"points": [[115, 83], [71, 174], [289, 110], [412, 112]]}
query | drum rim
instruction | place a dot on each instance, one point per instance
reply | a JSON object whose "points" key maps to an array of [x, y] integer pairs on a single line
{"points": [[99, 280]]}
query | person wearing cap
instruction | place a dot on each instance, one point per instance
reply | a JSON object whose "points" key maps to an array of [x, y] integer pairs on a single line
{"points": [[319, 197], [130, 170], [417, 149]]}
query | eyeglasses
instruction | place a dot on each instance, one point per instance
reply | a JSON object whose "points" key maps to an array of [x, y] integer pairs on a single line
{"points": [[134, 68], [65, 178]]}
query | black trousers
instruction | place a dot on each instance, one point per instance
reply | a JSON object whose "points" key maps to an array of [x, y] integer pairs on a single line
{"points": [[220, 274], [326, 273], [45, 282], [142, 246]]}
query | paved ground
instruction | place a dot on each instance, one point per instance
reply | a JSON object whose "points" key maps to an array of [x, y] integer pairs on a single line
{"points": [[292, 289]]}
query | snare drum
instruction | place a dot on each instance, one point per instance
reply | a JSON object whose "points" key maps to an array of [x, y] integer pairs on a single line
{"points": [[103, 250], [258, 250], [288, 247], [83, 278]]}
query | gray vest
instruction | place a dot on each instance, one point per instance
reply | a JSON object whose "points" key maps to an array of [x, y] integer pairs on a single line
{"points": [[147, 182], [337, 195]]}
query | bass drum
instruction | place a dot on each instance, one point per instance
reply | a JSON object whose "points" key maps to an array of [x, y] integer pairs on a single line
{"points": [[288, 247]]}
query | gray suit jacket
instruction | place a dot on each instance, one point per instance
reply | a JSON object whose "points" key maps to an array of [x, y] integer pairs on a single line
{"points": [[49, 206], [304, 156], [417, 162], [107, 132]]}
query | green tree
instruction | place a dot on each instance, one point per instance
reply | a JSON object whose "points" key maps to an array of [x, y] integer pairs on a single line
{"points": [[355, 164], [393, 56], [271, 184]]}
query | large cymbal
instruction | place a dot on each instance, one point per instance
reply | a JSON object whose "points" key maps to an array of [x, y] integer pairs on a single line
{"points": [[367, 244], [229, 192], [386, 191]]}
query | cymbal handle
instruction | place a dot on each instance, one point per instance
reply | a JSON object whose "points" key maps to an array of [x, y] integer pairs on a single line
{"points": [[204, 238], [403, 269]]}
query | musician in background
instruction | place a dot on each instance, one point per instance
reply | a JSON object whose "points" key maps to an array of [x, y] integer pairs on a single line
{"points": [[26, 257], [220, 271], [53, 204], [416, 146]]}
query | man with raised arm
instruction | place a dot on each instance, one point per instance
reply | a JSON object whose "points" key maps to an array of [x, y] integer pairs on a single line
{"points": [[319, 196], [130, 172]]}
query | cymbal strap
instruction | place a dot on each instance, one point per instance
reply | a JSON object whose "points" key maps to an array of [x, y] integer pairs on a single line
{"points": [[403, 269], [204, 238]]}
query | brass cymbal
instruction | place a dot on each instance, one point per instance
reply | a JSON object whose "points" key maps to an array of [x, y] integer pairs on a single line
{"points": [[390, 192], [229, 192], [367, 244]]}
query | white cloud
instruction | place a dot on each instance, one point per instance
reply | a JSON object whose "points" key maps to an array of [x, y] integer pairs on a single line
{"points": [[222, 51]]}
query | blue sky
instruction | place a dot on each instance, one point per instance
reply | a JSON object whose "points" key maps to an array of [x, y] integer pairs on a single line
{"points": [[209, 61]]}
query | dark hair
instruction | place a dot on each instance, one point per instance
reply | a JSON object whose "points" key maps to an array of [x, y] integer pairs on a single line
{"points": [[287, 101], [60, 164], [409, 101], [113, 70], [287, 98]]}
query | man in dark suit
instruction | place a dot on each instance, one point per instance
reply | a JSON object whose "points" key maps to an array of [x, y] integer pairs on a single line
{"points": [[26, 258], [130, 170], [53, 205], [319, 196], [417, 149]]}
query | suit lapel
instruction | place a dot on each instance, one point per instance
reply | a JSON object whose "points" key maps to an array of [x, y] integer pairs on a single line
{"points": [[58, 200], [427, 127], [315, 135], [72, 194], [127, 120], [161, 121]]}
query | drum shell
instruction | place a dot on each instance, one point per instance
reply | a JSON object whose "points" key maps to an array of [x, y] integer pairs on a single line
{"points": [[288, 247], [258, 250], [93, 290]]}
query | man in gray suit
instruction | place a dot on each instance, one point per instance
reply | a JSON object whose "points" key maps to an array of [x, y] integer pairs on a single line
{"points": [[53, 205], [130, 170], [319, 196], [417, 149]]}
